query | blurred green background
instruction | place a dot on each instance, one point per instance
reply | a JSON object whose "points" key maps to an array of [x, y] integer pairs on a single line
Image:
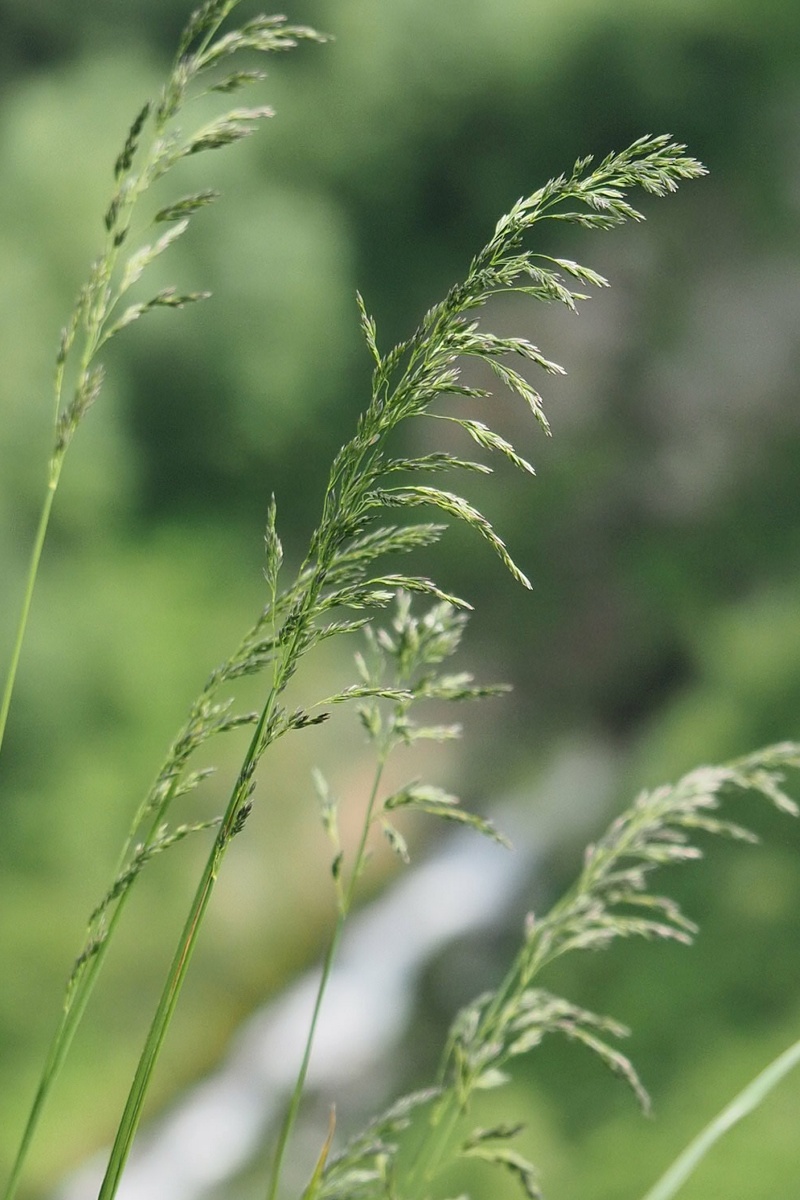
{"points": [[662, 534]]}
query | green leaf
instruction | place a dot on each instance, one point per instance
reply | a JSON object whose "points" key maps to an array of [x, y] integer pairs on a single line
{"points": [[517, 383], [359, 692], [426, 587], [126, 157], [237, 80], [356, 596], [457, 687], [438, 461], [585, 274]]}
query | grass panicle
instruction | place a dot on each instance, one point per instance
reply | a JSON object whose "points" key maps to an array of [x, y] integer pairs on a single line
{"points": [[611, 899], [153, 146]]}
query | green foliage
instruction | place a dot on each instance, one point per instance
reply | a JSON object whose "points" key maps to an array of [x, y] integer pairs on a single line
{"points": [[339, 588]]}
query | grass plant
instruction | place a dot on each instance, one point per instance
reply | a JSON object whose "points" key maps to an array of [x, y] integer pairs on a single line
{"points": [[375, 497]]}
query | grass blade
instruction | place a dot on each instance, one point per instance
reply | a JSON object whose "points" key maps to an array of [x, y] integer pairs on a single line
{"points": [[741, 1106]]}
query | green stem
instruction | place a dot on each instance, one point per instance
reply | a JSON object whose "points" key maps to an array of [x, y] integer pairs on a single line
{"points": [[133, 1108], [132, 1112], [59, 1048], [91, 344], [33, 571], [748, 1099], [443, 1122], [297, 1094], [298, 620], [345, 905], [79, 992]]}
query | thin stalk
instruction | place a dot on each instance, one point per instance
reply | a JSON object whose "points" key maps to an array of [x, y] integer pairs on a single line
{"points": [[59, 1048], [22, 625], [84, 979], [96, 320], [442, 1125], [748, 1099], [300, 618], [133, 1108], [297, 1095], [75, 1003], [345, 905], [91, 344], [180, 963], [132, 1112]]}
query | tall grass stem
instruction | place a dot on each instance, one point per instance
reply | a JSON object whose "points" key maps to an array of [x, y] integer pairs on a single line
{"points": [[27, 600], [345, 904], [740, 1107]]}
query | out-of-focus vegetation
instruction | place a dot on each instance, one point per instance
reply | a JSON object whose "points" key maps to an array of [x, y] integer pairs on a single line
{"points": [[662, 536]]}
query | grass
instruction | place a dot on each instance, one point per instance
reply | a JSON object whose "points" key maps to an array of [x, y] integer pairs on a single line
{"points": [[380, 503]]}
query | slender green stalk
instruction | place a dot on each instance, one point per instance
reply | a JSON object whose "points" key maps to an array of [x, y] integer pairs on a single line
{"points": [[741, 1106], [434, 1147], [59, 1048], [33, 571], [232, 822], [77, 997], [180, 964], [293, 1109], [345, 904], [133, 1108], [65, 424]]}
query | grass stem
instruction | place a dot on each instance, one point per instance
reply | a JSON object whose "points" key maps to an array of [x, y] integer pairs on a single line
{"points": [[345, 904], [741, 1106], [27, 600]]}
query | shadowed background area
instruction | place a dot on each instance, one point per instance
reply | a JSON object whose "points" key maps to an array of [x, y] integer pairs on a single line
{"points": [[662, 534]]}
